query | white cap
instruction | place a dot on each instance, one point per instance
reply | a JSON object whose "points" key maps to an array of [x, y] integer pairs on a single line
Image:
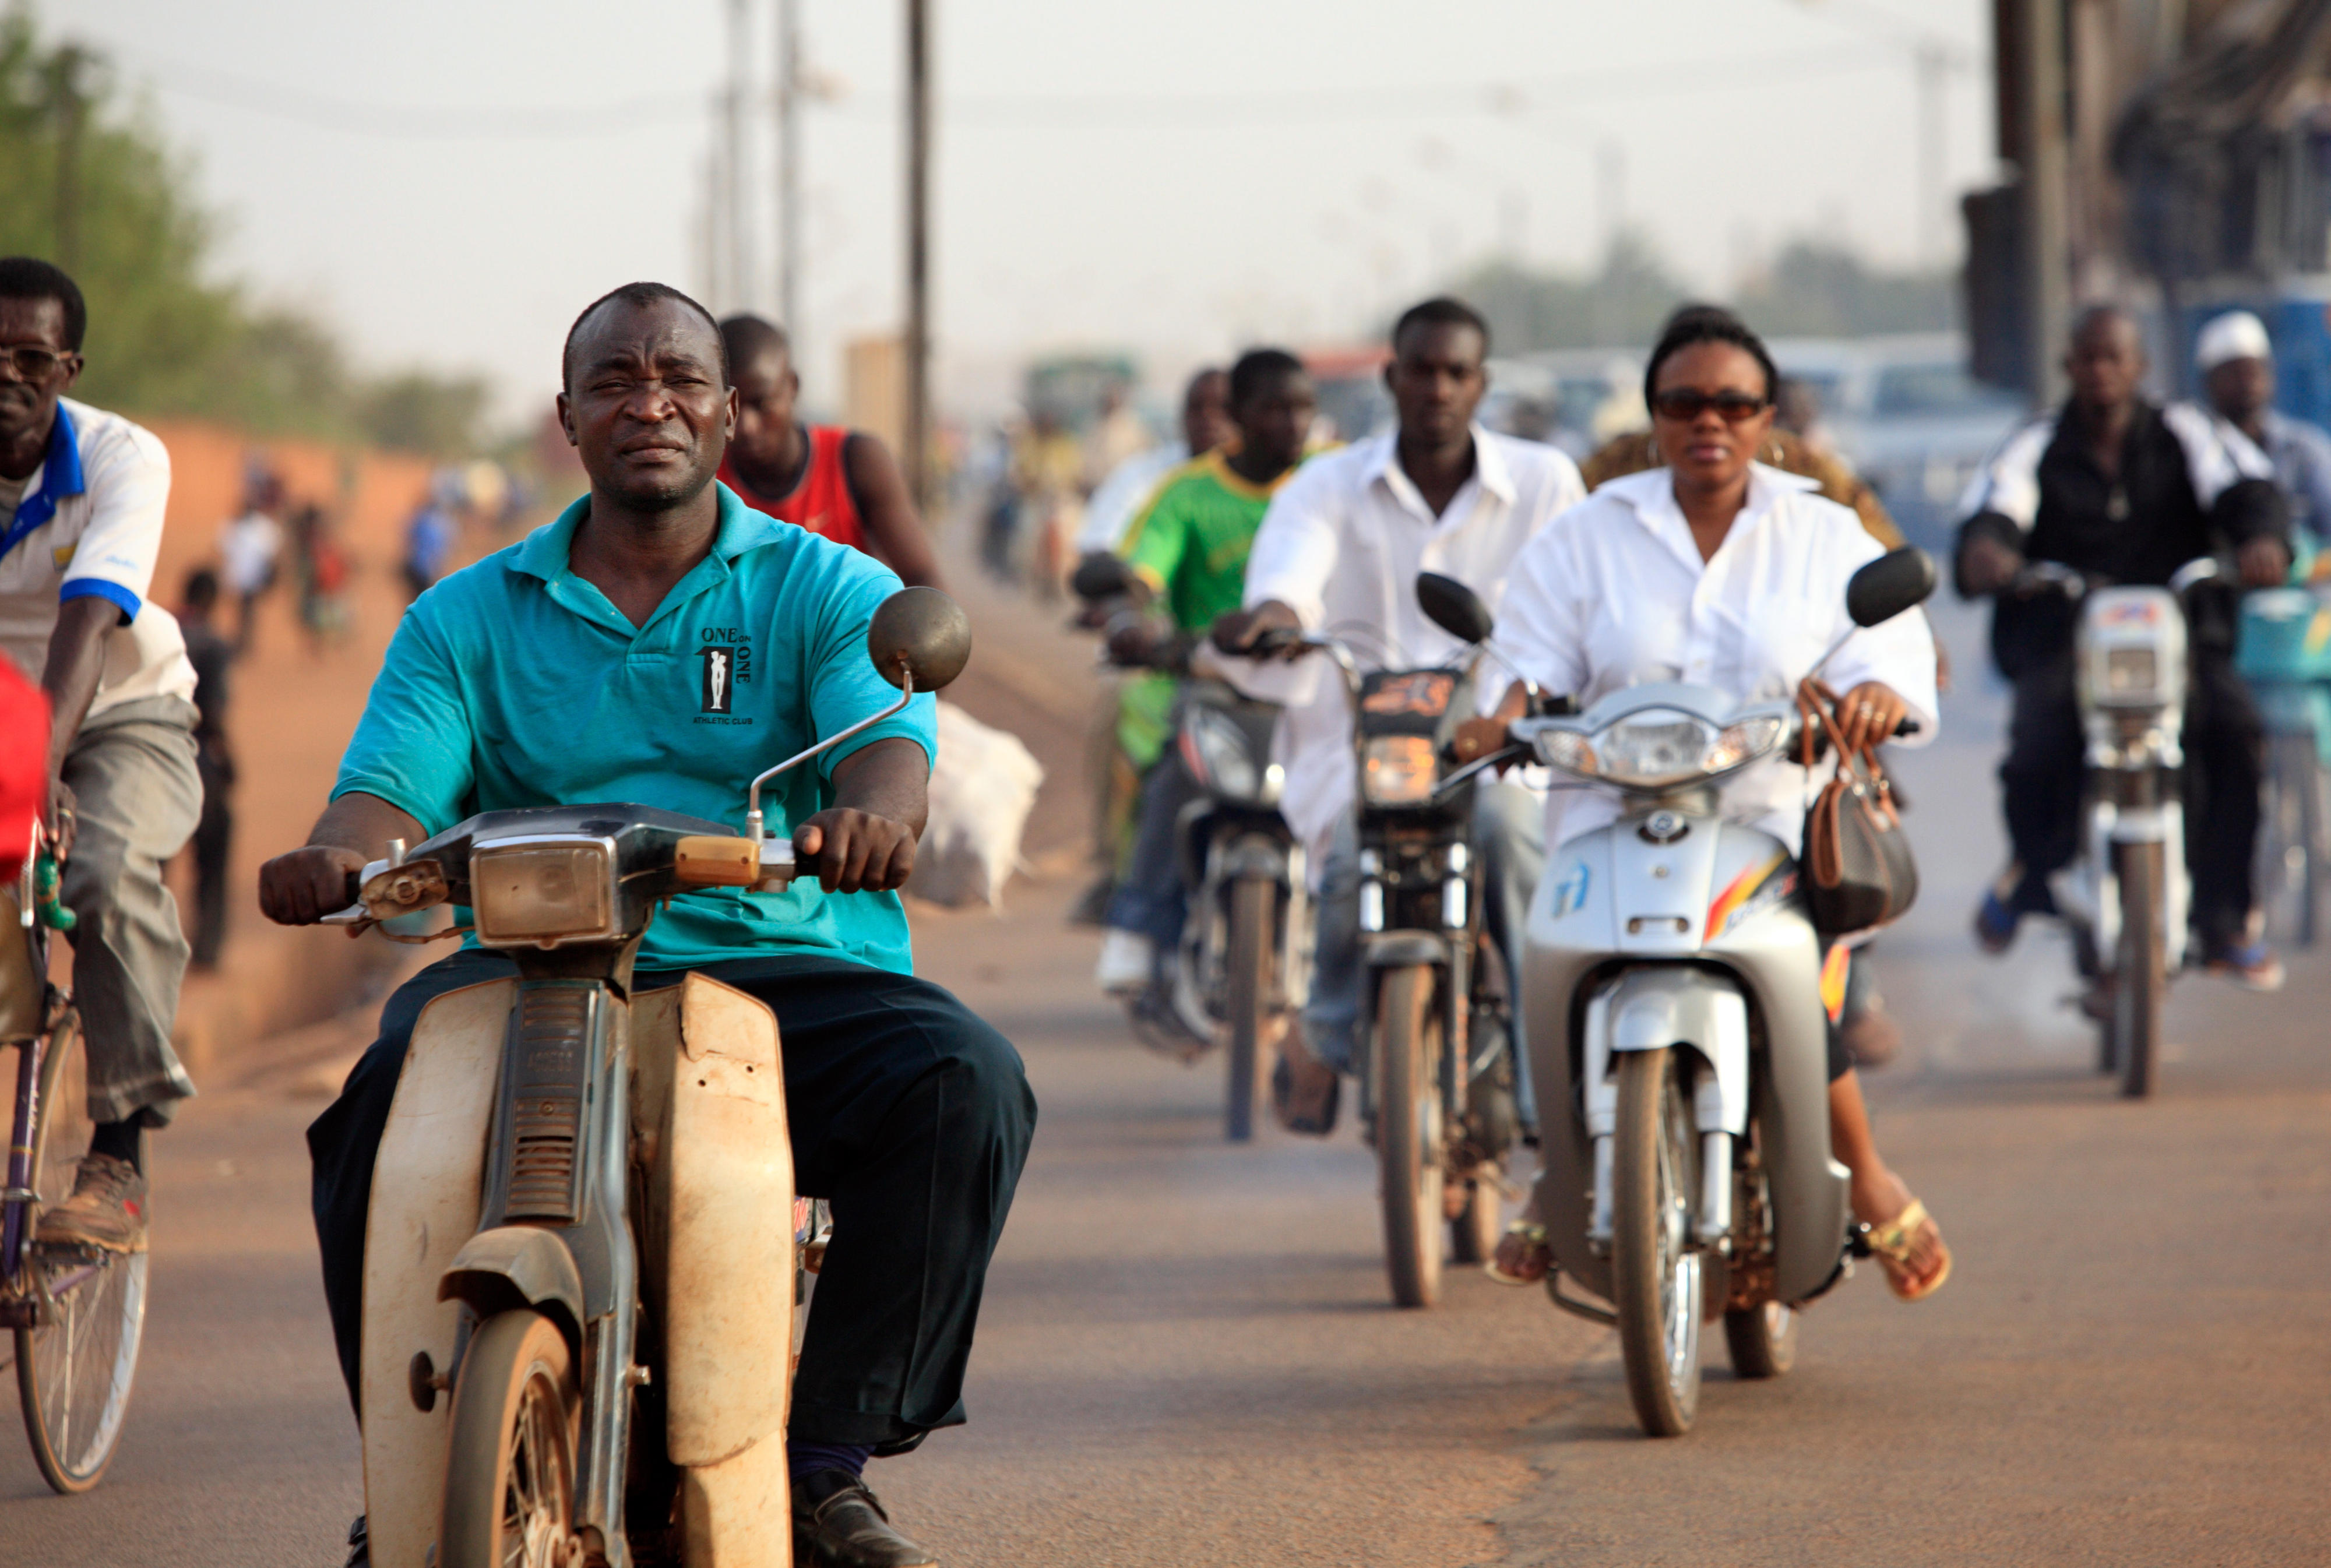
{"points": [[2236, 335]]}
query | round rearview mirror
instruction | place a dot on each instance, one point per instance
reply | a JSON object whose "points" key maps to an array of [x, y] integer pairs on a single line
{"points": [[1101, 575], [919, 631], [1897, 581], [1453, 607]]}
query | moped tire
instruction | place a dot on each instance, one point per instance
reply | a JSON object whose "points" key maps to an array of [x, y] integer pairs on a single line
{"points": [[1409, 1132], [510, 1461], [1473, 1233], [1254, 904], [1762, 1340], [2141, 980], [1658, 1286], [73, 1372]]}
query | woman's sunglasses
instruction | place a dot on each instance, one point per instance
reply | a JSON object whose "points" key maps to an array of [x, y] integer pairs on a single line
{"points": [[1685, 404]]}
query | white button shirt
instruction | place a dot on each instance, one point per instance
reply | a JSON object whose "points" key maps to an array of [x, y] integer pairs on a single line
{"points": [[1614, 594], [1341, 546]]}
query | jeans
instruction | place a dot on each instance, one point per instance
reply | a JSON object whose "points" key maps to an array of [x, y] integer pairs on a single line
{"points": [[1508, 844], [138, 797], [907, 1113], [1151, 899]]}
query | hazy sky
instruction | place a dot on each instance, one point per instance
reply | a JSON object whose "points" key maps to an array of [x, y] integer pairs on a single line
{"points": [[451, 182]]}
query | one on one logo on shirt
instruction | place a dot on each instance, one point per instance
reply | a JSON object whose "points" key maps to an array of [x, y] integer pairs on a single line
{"points": [[719, 682]]}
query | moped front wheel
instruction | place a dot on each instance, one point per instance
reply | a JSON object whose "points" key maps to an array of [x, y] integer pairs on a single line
{"points": [[74, 1367], [1656, 1276], [1248, 953], [511, 1464], [2142, 979], [1409, 1128]]}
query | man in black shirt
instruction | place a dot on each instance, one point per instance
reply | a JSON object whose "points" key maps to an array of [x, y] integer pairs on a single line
{"points": [[2116, 487], [212, 655]]}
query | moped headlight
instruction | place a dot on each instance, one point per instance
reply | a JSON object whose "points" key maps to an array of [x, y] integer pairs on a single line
{"points": [[1397, 770], [543, 893], [2131, 673], [1656, 746], [1743, 741], [1216, 748]]}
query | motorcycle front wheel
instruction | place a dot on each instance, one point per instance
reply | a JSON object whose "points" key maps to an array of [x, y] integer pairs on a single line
{"points": [[511, 1464], [1247, 955], [2141, 978], [1409, 1132], [1656, 1280]]}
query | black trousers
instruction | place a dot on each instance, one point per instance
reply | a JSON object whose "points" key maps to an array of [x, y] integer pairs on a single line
{"points": [[908, 1114], [213, 843], [2225, 751]]}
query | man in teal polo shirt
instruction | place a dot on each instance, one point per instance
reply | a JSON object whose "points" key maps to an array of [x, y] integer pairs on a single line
{"points": [[661, 642]]}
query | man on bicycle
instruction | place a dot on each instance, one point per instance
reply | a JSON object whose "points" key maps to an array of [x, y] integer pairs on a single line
{"points": [[566, 669], [1341, 549], [82, 493], [2114, 486]]}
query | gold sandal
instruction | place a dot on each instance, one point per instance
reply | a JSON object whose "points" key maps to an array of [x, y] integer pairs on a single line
{"points": [[1890, 1243], [1537, 1253]]}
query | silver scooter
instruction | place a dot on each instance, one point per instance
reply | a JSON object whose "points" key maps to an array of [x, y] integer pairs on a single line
{"points": [[1673, 996]]}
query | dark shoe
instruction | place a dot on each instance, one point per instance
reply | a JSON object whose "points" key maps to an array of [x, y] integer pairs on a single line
{"points": [[2251, 965], [1305, 1092], [1994, 924], [1092, 908], [837, 1524], [107, 1209], [360, 1546]]}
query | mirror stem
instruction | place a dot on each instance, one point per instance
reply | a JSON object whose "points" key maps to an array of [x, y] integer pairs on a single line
{"points": [[753, 821], [1822, 662]]}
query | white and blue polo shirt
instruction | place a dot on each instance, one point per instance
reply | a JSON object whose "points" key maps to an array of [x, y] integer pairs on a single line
{"points": [[89, 522]]}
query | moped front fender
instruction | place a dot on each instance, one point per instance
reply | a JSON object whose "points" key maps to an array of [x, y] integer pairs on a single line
{"points": [[511, 1267]]}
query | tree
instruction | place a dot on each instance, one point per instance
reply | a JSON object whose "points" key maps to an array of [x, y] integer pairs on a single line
{"points": [[1813, 290]]}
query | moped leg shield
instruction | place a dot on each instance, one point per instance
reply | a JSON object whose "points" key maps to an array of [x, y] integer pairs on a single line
{"points": [[426, 1188], [709, 1113]]}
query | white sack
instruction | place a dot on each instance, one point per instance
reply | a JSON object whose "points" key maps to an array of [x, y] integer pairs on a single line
{"points": [[982, 788]]}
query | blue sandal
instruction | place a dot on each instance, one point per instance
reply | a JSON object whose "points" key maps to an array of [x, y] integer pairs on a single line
{"points": [[1995, 923]]}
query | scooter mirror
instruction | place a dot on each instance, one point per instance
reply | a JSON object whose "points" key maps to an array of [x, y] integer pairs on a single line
{"points": [[1897, 581], [1453, 607], [1101, 575], [919, 631]]}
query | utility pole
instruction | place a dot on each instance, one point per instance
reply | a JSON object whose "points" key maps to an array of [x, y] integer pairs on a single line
{"points": [[1933, 63], [739, 223], [2046, 184], [918, 254], [70, 102], [789, 170]]}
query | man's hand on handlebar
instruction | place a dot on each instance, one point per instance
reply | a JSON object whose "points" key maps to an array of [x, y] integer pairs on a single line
{"points": [[1240, 629], [62, 821], [2265, 562], [310, 882], [855, 851], [1477, 737], [1987, 565]]}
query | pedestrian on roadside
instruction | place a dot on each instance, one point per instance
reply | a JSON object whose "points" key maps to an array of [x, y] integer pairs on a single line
{"points": [[428, 545], [212, 656], [2235, 358], [250, 547]]}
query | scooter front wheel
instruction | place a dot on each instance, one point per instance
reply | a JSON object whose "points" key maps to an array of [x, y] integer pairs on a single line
{"points": [[1409, 1133], [2142, 978], [511, 1464], [1656, 1278], [1247, 955]]}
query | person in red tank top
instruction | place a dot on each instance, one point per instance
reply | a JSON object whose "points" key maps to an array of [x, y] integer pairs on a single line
{"points": [[840, 484]]}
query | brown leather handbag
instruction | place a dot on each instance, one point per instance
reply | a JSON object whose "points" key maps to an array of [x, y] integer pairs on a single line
{"points": [[1859, 870]]}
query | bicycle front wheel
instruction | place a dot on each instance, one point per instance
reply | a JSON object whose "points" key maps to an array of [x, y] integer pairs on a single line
{"points": [[75, 1364]]}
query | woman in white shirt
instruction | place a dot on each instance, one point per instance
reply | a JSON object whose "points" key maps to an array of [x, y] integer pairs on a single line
{"points": [[1720, 572]]}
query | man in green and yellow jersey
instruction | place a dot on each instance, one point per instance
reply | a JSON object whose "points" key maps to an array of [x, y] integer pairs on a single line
{"points": [[1188, 550]]}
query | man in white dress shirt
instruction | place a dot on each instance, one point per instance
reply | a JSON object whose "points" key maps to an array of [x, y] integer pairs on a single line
{"points": [[82, 496], [1340, 550]]}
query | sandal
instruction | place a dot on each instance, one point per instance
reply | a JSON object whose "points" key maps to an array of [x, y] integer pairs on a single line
{"points": [[1525, 1264], [1890, 1244]]}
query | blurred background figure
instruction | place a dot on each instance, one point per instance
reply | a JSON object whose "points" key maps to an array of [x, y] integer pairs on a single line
{"points": [[250, 547], [323, 575], [212, 656], [1797, 410], [1048, 467], [1118, 435], [1127, 487], [428, 545], [2235, 359]]}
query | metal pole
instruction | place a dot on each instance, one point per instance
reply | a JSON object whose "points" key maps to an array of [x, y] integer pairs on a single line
{"points": [[1932, 65], [2047, 254], [789, 170], [741, 227], [917, 432]]}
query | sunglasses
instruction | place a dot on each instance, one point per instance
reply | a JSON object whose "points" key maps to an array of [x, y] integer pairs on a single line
{"points": [[1685, 404], [32, 364]]}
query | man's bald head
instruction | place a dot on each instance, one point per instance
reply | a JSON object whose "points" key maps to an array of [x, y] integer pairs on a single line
{"points": [[637, 295], [2106, 363]]}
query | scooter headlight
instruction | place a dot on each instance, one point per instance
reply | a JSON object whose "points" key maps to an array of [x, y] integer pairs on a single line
{"points": [[1215, 747], [2131, 673], [1397, 770], [544, 892], [1656, 746]]}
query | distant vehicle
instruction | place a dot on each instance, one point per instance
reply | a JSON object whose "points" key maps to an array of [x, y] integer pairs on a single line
{"points": [[1906, 412], [1074, 387], [1352, 401], [1573, 398]]}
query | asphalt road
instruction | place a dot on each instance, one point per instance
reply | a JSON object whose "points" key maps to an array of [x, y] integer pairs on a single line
{"points": [[1187, 1356]]}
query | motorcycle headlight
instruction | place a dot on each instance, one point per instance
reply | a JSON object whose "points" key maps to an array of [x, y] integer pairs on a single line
{"points": [[544, 892], [1743, 741], [2131, 673], [1656, 746], [1216, 748], [1397, 770]]}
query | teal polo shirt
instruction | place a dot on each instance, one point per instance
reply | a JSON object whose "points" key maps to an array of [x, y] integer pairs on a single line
{"points": [[515, 683]]}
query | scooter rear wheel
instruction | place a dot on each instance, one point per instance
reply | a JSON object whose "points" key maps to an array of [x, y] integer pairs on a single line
{"points": [[1409, 1133], [1473, 1233], [1762, 1340], [2142, 970], [1247, 955], [1656, 1283], [510, 1464]]}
